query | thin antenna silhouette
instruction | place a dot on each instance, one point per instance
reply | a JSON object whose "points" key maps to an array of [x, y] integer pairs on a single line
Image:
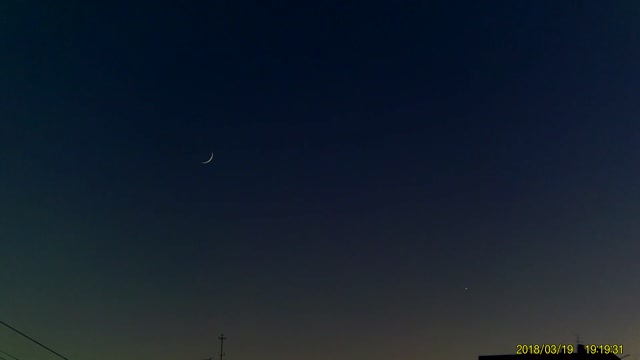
{"points": [[222, 338]]}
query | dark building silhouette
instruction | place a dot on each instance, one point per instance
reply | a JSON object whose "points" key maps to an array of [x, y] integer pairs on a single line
{"points": [[579, 354]]}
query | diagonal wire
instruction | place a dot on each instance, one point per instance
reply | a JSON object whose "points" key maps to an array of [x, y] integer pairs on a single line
{"points": [[6, 353], [25, 335]]}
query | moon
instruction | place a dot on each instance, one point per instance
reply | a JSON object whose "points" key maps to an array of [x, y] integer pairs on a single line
{"points": [[208, 161]]}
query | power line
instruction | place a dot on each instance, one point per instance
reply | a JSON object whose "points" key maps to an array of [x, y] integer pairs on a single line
{"points": [[6, 353], [25, 335]]}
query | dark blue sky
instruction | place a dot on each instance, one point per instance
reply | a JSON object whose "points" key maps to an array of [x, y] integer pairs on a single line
{"points": [[371, 161]]}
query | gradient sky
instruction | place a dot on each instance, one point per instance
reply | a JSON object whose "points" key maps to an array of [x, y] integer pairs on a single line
{"points": [[371, 161]]}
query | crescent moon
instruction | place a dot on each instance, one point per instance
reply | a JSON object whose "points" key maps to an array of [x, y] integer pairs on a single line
{"points": [[208, 161]]}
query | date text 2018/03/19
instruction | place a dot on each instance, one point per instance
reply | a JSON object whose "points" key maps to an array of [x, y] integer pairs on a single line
{"points": [[536, 349]]}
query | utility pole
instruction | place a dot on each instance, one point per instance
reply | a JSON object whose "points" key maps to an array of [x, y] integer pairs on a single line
{"points": [[222, 338]]}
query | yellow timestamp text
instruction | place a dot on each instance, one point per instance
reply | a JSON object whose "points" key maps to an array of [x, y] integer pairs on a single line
{"points": [[537, 349], [603, 348]]}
